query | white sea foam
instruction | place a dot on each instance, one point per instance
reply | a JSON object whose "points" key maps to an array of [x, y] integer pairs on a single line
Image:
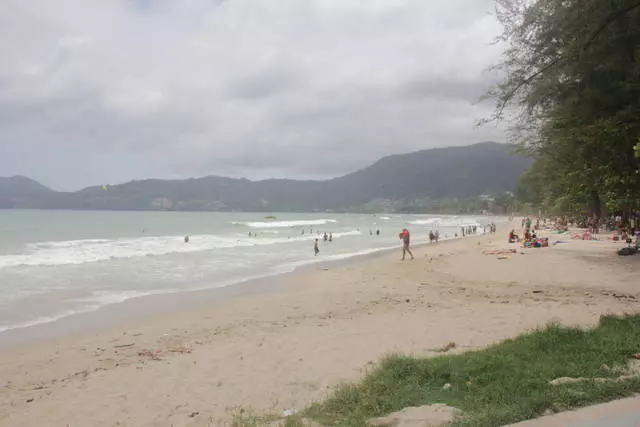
{"points": [[95, 250], [144, 264], [40, 320], [426, 221], [85, 305], [448, 222], [336, 257], [100, 299], [83, 251], [286, 224]]}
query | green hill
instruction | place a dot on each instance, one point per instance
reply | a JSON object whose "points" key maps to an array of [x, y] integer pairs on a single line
{"points": [[392, 183], [22, 191]]}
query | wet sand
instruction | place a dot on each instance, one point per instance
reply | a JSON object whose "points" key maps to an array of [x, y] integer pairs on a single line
{"points": [[282, 349]]}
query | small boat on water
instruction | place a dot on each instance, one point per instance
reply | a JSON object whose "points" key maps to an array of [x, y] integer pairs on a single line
{"points": [[270, 217]]}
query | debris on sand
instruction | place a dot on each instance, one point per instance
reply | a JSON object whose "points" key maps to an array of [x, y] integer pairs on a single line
{"points": [[182, 350], [124, 345], [150, 354], [451, 345]]}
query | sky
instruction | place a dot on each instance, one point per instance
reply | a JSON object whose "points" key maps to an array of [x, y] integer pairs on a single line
{"points": [[102, 92]]}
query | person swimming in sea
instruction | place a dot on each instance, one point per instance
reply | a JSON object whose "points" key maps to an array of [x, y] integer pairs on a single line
{"points": [[186, 238], [325, 237]]}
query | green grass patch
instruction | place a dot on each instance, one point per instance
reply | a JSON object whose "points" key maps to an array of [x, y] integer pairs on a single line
{"points": [[505, 383]]}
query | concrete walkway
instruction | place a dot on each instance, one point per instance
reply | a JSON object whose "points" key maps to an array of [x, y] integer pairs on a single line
{"points": [[619, 413]]}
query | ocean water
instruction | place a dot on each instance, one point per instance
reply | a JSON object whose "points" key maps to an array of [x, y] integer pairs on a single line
{"points": [[54, 264]]}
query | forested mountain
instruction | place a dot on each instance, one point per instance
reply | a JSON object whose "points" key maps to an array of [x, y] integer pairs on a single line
{"points": [[21, 191], [392, 183]]}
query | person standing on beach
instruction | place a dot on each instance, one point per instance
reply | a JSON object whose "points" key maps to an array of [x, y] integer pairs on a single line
{"points": [[316, 249], [436, 236], [331, 237], [406, 241]]}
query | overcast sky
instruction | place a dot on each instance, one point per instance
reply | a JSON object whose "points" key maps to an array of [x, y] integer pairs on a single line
{"points": [[97, 92]]}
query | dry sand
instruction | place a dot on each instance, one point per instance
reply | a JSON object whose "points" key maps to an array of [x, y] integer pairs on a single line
{"points": [[269, 352]]}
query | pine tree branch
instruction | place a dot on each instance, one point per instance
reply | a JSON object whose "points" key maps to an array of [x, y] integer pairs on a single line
{"points": [[610, 19]]}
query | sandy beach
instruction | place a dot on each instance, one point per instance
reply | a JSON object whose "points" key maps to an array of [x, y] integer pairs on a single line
{"points": [[202, 362]]}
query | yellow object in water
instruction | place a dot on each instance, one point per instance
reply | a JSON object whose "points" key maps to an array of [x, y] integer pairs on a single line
{"points": [[270, 217], [105, 188]]}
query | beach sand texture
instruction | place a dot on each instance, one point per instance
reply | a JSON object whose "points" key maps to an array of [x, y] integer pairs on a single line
{"points": [[282, 350]]}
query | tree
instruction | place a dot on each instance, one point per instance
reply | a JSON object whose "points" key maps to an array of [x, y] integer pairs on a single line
{"points": [[571, 95]]}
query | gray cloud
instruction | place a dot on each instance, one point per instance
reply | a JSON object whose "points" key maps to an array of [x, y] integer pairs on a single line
{"points": [[111, 91]]}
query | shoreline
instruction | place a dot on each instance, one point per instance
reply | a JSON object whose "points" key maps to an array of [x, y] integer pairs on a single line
{"points": [[138, 308], [270, 351]]}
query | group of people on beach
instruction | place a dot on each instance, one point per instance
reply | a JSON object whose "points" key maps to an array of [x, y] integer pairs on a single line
{"points": [[529, 236], [594, 224], [434, 236], [325, 237], [317, 232], [468, 230]]}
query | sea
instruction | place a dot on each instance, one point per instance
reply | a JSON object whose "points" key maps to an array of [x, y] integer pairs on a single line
{"points": [[55, 264]]}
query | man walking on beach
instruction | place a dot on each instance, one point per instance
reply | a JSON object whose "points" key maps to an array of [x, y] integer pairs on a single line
{"points": [[406, 240]]}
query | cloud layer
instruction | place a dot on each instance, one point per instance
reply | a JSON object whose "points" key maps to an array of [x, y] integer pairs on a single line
{"points": [[103, 92]]}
